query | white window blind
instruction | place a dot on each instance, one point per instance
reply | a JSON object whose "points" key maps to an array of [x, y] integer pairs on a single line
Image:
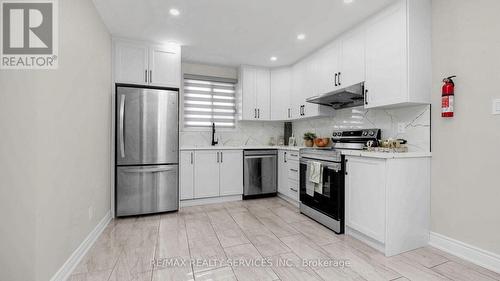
{"points": [[209, 100]]}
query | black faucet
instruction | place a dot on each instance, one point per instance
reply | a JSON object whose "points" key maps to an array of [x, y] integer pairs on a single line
{"points": [[214, 142]]}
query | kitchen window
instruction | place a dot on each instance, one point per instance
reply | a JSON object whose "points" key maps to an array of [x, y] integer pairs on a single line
{"points": [[209, 100]]}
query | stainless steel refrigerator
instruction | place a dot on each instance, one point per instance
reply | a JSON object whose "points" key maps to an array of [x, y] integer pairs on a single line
{"points": [[147, 145]]}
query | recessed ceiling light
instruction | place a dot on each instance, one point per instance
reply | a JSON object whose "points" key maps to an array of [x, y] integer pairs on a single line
{"points": [[174, 12], [348, 1], [273, 58], [301, 36]]}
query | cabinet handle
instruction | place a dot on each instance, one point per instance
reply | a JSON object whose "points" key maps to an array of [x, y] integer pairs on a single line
{"points": [[221, 157], [294, 170], [150, 76], [366, 96], [255, 113], [293, 189], [217, 157], [294, 155], [191, 158], [146, 76], [258, 113], [285, 157], [336, 75], [339, 78]]}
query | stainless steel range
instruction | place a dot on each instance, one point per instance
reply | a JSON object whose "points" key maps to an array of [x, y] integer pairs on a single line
{"points": [[322, 177], [322, 187]]}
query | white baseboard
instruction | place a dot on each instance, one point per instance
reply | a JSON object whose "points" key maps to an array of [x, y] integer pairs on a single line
{"points": [[211, 200], [465, 251], [65, 271]]}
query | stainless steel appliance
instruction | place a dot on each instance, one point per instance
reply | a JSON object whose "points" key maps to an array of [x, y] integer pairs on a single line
{"points": [[147, 146], [351, 96], [355, 139], [260, 173], [324, 201]]}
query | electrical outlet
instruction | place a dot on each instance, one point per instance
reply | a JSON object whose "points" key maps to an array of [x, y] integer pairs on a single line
{"points": [[401, 128], [91, 213]]}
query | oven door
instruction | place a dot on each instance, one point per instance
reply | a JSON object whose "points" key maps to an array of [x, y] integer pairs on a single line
{"points": [[327, 197]]}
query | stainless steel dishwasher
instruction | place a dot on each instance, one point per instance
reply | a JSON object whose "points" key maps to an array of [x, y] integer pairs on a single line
{"points": [[260, 173]]}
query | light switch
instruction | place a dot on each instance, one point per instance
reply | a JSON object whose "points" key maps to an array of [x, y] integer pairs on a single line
{"points": [[496, 106]]}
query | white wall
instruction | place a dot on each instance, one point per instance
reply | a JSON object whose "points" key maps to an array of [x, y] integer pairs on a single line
{"points": [[54, 158], [466, 148]]}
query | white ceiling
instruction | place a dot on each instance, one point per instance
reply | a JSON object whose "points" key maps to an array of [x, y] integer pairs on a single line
{"points": [[234, 32]]}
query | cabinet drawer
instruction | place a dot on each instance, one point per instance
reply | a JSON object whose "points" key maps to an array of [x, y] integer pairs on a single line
{"points": [[293, 189], [293, 170], [292, 155]]}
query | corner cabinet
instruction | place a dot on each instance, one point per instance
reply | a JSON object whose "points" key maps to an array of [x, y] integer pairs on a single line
{"points": [[145, 64], [254, 93], [210, 173], [387, 202]]}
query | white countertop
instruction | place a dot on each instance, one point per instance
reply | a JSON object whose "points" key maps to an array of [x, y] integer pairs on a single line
{"points": [[385, 155], [382, 155], [225, 147]]}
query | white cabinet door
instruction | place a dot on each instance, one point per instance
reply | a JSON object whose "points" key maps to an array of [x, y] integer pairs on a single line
{"points": [[263, 95], [206, 173], [281, 93], [352, 59], [329, 66], [299, 89], [365, 196], [248, 78], [231, 172], [164, 66], [311, 86], [131, 63], [186, 176], [386, 58], [282, 172]]}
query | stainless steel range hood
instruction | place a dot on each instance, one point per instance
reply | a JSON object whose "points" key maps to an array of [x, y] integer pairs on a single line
{"points": [[351, 96]]}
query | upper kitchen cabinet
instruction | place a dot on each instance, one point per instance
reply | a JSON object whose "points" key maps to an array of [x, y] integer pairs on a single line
{"points": [[398, 55], [145, 64], [281, 94], [352, 59], [254, 93], [131, 62], [328, 68]]}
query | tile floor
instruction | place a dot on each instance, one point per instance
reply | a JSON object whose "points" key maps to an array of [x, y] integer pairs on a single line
{"points": [[255, 230]]}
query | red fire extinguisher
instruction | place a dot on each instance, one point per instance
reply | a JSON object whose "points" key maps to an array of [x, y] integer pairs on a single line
{"points": [[447, 97]]}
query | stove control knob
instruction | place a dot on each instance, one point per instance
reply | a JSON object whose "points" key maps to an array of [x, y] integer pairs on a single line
{"points": [[365, 133], [372, 133]]}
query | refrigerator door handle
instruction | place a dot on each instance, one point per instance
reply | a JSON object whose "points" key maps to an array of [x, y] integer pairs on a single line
{"points": [[121, 124], [149, 170]]}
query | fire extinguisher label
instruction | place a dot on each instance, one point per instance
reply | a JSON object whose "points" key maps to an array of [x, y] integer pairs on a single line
{"points": [[447, 106]]}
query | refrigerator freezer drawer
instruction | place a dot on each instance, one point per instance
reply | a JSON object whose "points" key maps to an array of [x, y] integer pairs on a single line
{"points": [[146, 189]]}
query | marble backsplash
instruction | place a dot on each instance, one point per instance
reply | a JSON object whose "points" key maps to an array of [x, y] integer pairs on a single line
{"points": [[416, 122], [245, 133]]}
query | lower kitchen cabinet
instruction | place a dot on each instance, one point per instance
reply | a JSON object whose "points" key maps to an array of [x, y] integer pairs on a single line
{"points": [[206, 173], [231, 172], [365, 196], [186, 175], [387, 202], [288, 176], [210, 173]]}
